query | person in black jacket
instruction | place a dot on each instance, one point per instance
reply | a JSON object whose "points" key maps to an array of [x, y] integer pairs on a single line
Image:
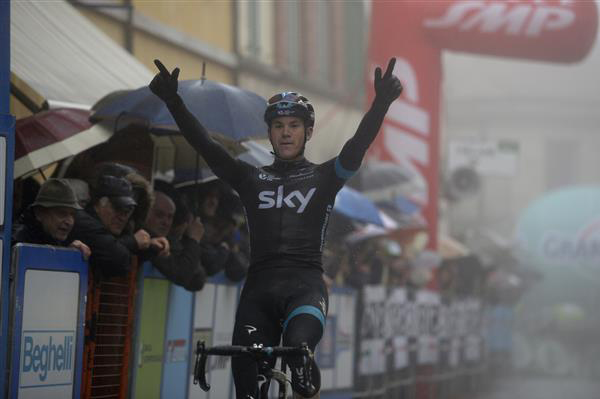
{"points": [[50, 218], [182, 266], [103, 227], [205, 200], [229, 221]]}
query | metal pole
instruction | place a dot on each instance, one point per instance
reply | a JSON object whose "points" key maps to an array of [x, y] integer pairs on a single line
{"points": [[4, 56], [7, 124]]}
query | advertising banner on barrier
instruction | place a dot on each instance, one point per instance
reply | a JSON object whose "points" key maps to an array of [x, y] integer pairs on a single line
{"points": [[428, 307], [474, 324], [372, 358], [178, 337], [335, 353], [152, 318], [397, 326], [449, 333], [401, 329], [214, 311], [177, 321], [51, 284]]}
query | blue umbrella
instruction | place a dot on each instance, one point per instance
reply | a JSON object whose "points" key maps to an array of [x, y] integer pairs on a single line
{"points": [[356, 206], [221, 108]]}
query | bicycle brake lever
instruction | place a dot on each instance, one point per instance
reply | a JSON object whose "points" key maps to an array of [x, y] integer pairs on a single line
{"points": [[309, 354], [200, 367], [307, 362]]}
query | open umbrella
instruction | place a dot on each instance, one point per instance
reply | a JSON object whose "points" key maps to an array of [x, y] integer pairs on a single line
{"points": [[256, 155], [221, 108], [185, 168], [357, 206], [53, 135], [388, 181]]}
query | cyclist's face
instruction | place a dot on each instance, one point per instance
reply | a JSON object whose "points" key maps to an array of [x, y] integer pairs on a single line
{"points": [[287, 136]]}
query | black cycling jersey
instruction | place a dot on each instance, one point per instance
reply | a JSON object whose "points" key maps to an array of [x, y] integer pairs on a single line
{"points": [[288, 203], [287, 207]]}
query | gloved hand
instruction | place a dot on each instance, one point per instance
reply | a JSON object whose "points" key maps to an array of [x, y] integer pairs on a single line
{"points": [[164, 84], [388, 87]]}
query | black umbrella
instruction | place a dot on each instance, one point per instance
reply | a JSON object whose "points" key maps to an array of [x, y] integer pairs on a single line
{"points": [[189, 170], [221, 108]]}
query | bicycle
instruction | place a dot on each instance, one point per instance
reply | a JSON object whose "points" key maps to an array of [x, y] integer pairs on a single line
{"points": [[262, 355]]}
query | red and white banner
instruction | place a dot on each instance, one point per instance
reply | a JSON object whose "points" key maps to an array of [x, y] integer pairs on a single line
{"points": [[550, 30], [416, 33]]}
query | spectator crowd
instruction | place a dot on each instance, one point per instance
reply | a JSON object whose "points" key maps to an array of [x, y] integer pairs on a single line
{"points": [[117, 214]]}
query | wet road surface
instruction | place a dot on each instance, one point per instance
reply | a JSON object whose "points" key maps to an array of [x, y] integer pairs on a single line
{"points": [[542, 388]]}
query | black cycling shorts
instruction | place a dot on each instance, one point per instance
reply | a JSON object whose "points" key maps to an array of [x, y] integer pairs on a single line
{"points": [[271, 298]]}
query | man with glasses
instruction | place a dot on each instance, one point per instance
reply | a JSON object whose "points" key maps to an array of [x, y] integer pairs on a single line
{"points": [[287, 206], [104, 227]]}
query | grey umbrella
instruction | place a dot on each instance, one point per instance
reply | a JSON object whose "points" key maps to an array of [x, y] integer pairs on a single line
{"points": [[231, 111]]}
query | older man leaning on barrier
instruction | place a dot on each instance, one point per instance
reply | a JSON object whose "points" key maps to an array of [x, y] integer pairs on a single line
{"points": [[50, 219], [183, 265], [104, 224]]}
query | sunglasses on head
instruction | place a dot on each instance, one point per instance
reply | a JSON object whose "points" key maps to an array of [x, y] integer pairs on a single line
{"points": [[288, 96]]}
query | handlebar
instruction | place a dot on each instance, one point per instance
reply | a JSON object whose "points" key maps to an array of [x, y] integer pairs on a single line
{"points": [[257, 351]]}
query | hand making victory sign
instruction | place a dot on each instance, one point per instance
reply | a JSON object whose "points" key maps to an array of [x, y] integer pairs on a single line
{"points": [[387, 87], [164, 84]]}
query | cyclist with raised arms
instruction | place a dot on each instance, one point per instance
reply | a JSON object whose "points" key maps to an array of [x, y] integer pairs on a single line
{"points": [[287, 206]]}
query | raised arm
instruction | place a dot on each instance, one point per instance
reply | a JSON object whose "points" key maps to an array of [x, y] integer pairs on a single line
{"points": [[387, 89], [164, 85]]}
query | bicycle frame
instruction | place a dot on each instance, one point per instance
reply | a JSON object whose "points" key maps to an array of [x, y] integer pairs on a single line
{"points": [[261, 355]]}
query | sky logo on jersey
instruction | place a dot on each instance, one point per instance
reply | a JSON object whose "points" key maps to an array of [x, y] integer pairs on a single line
{"points": [[47, 358], [272, 199]]}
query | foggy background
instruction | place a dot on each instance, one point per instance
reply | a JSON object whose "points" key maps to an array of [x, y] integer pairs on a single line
{"points": [[548, 118]]}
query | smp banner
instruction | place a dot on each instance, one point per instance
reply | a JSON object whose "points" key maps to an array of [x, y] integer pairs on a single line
{"points": [[552, 30], [560, 31]]}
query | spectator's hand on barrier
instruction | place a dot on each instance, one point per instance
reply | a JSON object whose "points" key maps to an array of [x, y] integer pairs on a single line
{"points": [[195, 229], [162, 245], [142, 238], [387, 87], [84, 249], [164, 84]]}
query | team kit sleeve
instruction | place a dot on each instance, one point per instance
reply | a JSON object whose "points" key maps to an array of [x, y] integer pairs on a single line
{"points": [[354, 150], [387, 90], [223, 165]]}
